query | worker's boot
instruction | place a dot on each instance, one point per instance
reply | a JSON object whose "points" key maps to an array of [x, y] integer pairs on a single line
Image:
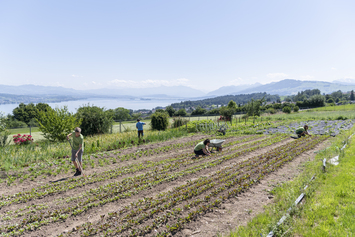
{"points": [[78, 172]]}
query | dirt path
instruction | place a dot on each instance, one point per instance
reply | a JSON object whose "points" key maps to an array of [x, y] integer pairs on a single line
{"points": [[239, 211]]}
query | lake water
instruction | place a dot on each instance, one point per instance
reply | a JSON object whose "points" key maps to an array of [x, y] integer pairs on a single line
{"points": [[107, 103]]}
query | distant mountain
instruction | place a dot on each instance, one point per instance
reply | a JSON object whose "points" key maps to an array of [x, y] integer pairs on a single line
{"points": [[345, 81], [231, 90], [291, 87], [165, 91], [36, 90], [156, 92]]}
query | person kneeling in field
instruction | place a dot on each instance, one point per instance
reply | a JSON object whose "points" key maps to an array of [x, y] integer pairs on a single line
{"points": [[302, 131], [202, 148], [77, 151]]}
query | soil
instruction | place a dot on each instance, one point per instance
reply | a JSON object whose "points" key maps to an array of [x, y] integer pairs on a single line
{"points": [[232, 213], [317, 127], [239, 211]]}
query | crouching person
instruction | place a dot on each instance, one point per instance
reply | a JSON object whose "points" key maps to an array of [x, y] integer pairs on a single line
{"points": [[77, 150], [302, 131], [202, 148]]}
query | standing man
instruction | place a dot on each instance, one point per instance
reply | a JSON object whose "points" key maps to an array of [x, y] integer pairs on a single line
{"points": [[302, 131], [202, 148], [139, 126], [77, 151]]}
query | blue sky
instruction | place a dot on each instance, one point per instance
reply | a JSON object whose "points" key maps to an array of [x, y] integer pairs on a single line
{"points": [[202, 44]]}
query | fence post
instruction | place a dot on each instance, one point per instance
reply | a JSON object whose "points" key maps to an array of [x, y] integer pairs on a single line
{"points": [[111, 128], [120, 126], [30, 131]]}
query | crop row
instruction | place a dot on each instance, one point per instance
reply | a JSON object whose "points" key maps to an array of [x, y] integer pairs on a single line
{"points": [[52, 188], [56, 167], [124, 189], [147, 208]]}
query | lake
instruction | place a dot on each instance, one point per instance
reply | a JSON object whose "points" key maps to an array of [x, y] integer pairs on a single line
{"points": [[107, 103]]}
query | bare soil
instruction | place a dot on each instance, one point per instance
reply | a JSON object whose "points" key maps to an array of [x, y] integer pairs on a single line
{"points": [[234, 212]]}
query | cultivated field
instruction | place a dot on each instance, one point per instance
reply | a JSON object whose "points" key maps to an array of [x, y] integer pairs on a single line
{"points": [[154, 190]]}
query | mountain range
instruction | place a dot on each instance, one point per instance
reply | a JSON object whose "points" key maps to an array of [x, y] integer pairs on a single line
{"points": [[283, 87], [291, 87]]}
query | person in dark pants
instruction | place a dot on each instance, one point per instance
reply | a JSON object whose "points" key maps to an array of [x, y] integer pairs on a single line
{"points": [[202, 148], [139, 126], [302, 131]]}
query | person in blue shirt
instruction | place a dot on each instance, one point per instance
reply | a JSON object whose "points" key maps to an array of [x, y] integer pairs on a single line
{"points": [[139, 126]]}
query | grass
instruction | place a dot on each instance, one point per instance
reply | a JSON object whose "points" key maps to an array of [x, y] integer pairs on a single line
{"points": [[348, 107], [329, 206], [24, 130]]}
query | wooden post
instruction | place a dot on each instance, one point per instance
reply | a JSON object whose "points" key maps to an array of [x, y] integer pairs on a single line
{"points": [[120, 126]]}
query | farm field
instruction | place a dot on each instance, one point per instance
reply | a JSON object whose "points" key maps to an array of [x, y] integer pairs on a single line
{"points": [[154, 190]]}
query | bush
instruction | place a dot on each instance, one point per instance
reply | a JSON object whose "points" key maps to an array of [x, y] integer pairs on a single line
{"points": [[191, 126], [4, 135], [178, 122], [181, 112], [160, 121], [296, 109], [57, 123], [13, 123], [271, 111], [94, 120], [341, 118], [22, 140], [286, 110]]}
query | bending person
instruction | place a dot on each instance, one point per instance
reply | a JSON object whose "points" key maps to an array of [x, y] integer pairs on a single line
{"points": [[302, 131], [77, 152], [202, 148]]}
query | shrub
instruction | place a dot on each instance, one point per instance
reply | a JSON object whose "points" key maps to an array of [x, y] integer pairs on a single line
{"points": [[56, 124], [4, 135], [94, 120], [177, 122], [286, 110], [296, 109], [271, 111], [341, 118], [13, 123], [160, 121], [191, 126], [181, 112], [22, 140]]}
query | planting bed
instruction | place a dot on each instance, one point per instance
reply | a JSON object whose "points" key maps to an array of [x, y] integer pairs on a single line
{"points": [[318, 127], [153, 190]]}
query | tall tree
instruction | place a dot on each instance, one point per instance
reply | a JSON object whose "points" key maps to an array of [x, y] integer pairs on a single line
{"points": [[352, 96]]}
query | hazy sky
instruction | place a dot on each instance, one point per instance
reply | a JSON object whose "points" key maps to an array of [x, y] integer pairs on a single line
{"points": [[203, 44]]}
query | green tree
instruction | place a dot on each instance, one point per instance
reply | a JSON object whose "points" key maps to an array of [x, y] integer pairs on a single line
{"points": [[121, 114], [199, 111], [136, 116], [26, 113], [55, 124], [352, 96], [181, 112], [94, 120], [286, 110], [227, 112], [253, 107], [160, 120], [296, 109], [170, 110]]}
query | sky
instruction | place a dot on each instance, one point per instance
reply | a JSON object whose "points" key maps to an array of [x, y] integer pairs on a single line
{"points": [[202, 44]]}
